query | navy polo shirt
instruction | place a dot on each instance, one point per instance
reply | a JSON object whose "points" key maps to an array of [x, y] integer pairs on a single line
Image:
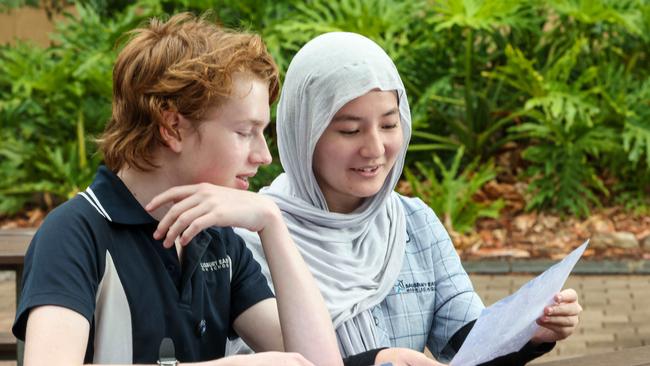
{"points": [[95, 254]]}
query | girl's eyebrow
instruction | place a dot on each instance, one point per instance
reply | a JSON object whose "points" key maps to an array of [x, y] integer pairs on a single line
{"points": [[391, 112], [351, 117], [346, 117]]}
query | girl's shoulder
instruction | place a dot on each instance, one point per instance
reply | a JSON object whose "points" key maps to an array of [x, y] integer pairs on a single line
{"points": [[416, 210], [421, 220]]}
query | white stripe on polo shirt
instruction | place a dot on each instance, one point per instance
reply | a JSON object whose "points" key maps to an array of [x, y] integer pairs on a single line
{"points": [[89, 195], [99, 204], [113, 327]]}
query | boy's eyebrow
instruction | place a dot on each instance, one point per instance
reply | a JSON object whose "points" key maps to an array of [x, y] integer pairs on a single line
{"points": [[256, 122], [351, 117]]}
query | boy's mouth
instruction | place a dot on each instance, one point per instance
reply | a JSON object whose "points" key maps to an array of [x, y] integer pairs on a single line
{"points": [[242, 180]]}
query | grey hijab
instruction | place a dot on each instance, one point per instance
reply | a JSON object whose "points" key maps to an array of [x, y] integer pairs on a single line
{"points": [[355, 258]]}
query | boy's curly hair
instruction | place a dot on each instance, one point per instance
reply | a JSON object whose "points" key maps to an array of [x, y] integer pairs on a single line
{"points": [[185, 65]]}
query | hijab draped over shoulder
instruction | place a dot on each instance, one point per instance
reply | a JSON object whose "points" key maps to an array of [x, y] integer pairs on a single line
{"points": [[356, 257]]}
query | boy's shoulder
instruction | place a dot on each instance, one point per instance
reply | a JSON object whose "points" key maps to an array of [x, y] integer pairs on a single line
{"points": [[72, 211], [73, 220]]}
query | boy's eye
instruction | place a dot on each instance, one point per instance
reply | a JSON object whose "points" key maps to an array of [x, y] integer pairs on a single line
{"points": [[244, 133]]}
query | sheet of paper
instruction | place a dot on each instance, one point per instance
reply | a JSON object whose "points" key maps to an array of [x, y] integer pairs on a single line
{"points": [[508, 325]]}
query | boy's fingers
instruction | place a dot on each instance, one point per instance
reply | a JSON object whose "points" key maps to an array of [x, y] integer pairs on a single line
{"points": [[172, 215], [173, 194], [196, 226], [180, 224]]}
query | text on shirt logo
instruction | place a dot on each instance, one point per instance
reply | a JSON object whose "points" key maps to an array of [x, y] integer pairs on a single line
{"points": [[221, 263], [414, 287]]}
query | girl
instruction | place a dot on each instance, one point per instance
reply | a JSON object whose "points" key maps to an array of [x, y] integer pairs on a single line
{"points": [[384, 263]]}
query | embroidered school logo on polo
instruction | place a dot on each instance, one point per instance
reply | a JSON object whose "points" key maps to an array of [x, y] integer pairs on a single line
{"points": [[414, 287], [221, 263]]}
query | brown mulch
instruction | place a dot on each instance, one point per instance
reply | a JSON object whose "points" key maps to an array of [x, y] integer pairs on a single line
{"points": [[516, 233], [533, 235], [520, 234]]}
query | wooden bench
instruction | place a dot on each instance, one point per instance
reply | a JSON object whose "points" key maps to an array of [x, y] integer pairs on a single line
{"points": [[7, 346], [13, 245], [635, 356]]}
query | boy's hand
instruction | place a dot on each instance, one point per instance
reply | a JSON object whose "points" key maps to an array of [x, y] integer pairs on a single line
{"points": [[199, 206], [404, 357], [560, 319]]}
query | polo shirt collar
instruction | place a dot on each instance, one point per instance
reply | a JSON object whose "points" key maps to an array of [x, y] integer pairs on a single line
{"points": [[110, 196]]}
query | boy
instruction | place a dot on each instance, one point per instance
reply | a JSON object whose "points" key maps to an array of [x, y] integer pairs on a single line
{"points": [[190, 102]]}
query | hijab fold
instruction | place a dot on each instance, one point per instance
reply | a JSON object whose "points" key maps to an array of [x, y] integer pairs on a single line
{"points": [[356, 257]]}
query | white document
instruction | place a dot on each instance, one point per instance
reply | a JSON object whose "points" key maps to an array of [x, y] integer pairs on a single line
{"points": [[507, 325]]}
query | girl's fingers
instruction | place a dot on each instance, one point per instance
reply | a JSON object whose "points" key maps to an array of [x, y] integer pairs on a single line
{"points": [[561, 331], [563, 309], [568, 295], [558, 321]]}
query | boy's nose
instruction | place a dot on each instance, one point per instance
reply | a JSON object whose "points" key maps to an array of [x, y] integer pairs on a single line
{"points": [[261, 155]]}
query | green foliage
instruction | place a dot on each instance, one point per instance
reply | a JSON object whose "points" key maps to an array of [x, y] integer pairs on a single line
{"points": [[568, 80], [455, 100], [51, 7], [636, 133], [53, 100], [567, 126], [7, 5], [375, 19], [450, 191]]}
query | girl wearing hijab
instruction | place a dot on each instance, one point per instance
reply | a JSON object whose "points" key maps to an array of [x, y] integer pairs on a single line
{"points": [[384, 262]]}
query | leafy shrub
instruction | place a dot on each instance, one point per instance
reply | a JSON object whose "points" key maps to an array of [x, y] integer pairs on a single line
{"points": [[450, 191], [54, 100], [568, 79]]}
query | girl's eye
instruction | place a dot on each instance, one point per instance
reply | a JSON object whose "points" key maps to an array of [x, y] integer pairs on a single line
{"points": [[390, 126], [348, 132]]}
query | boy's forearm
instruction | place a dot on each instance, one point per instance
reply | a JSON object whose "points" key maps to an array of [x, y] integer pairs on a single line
{"points": [[306, 324]]}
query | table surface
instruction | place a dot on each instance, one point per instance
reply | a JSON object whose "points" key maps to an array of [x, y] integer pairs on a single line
{"points": [[638, 356], [13, 245]]}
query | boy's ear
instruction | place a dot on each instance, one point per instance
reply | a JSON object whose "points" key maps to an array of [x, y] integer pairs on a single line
{"points": [[172, 134]]}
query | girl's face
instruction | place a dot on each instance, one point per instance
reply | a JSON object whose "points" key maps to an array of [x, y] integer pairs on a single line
{"points": [[355, 154]]}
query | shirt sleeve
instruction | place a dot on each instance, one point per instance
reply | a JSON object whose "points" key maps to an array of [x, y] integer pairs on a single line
{"points": [[456, 303], [526, 354], [248, 285], [61, 268]]}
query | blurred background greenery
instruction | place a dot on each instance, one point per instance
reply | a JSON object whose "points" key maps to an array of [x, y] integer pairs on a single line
{"points": [[553, 94]]}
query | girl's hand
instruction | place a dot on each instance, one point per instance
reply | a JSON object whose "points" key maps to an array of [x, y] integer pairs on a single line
{"points": [[560, 319]]}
